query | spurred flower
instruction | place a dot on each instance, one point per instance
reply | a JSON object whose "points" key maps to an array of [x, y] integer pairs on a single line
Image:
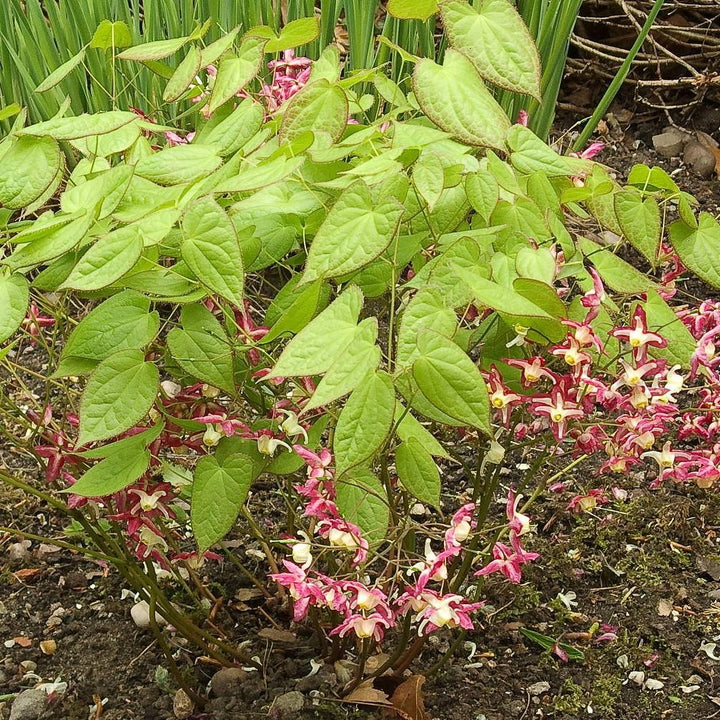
{"points": [[638, 336]]}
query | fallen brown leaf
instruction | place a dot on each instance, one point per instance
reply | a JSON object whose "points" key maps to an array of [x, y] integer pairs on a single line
{"points": [[27, 573], [408, 699], [22, 641], [245, 594], [275, 635], [366, 694]]}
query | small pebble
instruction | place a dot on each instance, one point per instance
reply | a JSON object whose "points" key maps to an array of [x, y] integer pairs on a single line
{"points": [[29, 705], [183, 706], [227, 682], [285, 706]]}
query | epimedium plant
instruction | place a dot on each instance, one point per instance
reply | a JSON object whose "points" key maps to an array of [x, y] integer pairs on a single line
{"points": [[349, 310]]}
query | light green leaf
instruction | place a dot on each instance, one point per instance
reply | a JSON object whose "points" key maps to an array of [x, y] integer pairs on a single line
{"points": [[371, 225], [615, 272], [300, 312], [351, 367], [429, 178], [118, 395], [455, 98], [483, 193], [295, 33], [210, 248], [202, 348], [417, 472], [408, 426], [85, 125], [122, 322], [179, 164], [111, 35], [412, 9], [362, 500], [529, 154], [316, 347], [427, 309], [156, 50], [47, 247], [662, 319], [699, 248], [232, 133], [184, 74], [107, 260], [27, 170], [109, 143], [113, 473], [449, 379], [640, 222], [219, 491], [14, 299], [60, 73], [495, 38], [320, 107], [236, 71], [212, 53], [364, 423]]}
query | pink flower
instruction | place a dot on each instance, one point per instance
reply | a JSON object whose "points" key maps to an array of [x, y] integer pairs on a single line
{"points": [[558, 409], [593, 299], [508, 560], [517, 522], [590, 151], [532, 370], [364, 626], [303, 591], [638, 336]]}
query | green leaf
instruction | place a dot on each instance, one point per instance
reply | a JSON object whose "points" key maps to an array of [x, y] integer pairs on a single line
{"points": [[483, 193], [408, 426], [212, 53], [412, 9], [14, 299], [184, 74], [362, 500], [156, 50], [529, 154], [295, 33], [109, 143], [494, 37], [371, 224], [210, 248], [316, 347], [179, 164], [107, 260], [118, 395], [548, 643], [236, 71], [364, 423], [219, 491], [114, 473], [417, 472], [300, 312], [111, 35], [448, 378], [320, 107], [27, 170], [426, 310], [85, 125], [615, 272], [640, 222], [60, 73], [232, 133], [360, 357], [60, 240], [204, 355], [429, 178], [662, 319], [455, 98], [699, 248], [122, 322]]}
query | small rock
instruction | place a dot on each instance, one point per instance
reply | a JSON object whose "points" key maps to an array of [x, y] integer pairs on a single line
{"points": [[669, 144], [637, 676], [651, 684], [19, 552], [538, 688], [29, 705], [140, 613], [228, 681], [285, 706], [183, 706], [701, 159], [48, 647]]}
